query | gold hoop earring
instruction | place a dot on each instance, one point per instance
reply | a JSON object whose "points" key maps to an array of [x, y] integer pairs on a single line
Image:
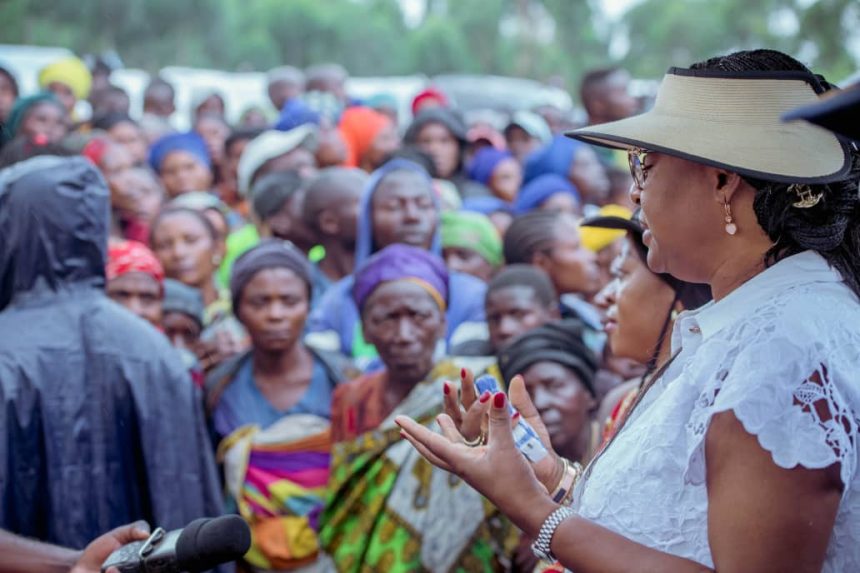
{"points": [[731, 228]]}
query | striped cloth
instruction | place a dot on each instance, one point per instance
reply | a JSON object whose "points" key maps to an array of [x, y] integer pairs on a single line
{"points": [[276, 478]]}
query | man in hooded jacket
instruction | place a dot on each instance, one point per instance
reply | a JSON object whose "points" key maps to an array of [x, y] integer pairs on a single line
{"points": [[100, 424]]}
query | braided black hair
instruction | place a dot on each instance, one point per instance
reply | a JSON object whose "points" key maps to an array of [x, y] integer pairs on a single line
{"points": [[530, 234], [832, 227], [527, 276]]}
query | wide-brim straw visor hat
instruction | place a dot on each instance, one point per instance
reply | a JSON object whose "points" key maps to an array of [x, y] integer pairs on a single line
{"points": [[731, 120]]}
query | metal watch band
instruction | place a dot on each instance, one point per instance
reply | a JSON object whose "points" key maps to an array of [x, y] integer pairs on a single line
{"points": [[541, 545]]}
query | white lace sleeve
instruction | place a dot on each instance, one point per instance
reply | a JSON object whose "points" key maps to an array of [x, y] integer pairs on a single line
{"points": [[786, 396]]}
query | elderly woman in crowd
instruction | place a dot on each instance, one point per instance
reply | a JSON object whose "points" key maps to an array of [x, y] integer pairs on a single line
{"points": [[558, 370], [270, 407], [389, 509], [398, 207], [750, 430]]}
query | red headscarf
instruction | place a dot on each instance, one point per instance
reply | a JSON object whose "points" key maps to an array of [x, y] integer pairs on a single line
{"points": [[431, 94], [132, 257], [359, 127], [95, 150]]}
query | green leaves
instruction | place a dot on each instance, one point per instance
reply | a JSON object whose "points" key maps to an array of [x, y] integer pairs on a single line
{"points": [[535, 38]]}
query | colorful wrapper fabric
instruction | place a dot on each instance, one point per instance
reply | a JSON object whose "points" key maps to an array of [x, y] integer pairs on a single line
{"points": [[390, 510], [277, 480]]}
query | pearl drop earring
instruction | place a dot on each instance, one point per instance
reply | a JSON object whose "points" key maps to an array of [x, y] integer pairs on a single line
{"points": [[731, 228]]}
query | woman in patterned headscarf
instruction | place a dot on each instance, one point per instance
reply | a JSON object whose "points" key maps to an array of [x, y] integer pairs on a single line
{"points": [[389, 509], [135, 279]]}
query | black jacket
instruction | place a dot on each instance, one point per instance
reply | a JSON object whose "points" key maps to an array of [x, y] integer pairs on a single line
{"points": [[100, 423]]}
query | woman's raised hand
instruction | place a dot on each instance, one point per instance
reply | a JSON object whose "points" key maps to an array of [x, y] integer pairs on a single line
{"points": [[497, 470], [469, 412], [470, 416]]}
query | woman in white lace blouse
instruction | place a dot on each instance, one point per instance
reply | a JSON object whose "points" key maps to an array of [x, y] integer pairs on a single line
{"points": [[741, 455]]}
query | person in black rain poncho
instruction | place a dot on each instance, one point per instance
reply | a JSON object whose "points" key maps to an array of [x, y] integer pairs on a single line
{"points": [[100, 424]]}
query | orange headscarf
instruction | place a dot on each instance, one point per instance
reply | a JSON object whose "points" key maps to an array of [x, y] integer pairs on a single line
{"points": [[359, 127]]}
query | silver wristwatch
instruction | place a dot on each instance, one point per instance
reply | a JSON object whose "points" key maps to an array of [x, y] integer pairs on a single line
{"points": [[541, 545]]}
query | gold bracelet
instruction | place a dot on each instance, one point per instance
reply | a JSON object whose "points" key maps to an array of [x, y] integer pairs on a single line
{"points": [[563, 493]]}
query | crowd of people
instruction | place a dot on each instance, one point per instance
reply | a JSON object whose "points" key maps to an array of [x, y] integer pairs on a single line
{"points": [[251, 318]]}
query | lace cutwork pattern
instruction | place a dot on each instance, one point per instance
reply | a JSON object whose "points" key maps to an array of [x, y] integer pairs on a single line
{"points": [[789, 371]]}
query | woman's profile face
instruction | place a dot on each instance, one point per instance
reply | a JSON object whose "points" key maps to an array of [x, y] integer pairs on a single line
{"points": [[589, 176], [681, 216], [636, 305]]}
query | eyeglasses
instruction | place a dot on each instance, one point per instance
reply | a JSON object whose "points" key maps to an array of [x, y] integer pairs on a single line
{"points": [[636, 160]]}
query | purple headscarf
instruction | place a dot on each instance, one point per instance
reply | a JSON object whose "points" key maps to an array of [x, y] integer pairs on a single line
{"points": [[190, 142], [402, 262], [485, 162]]}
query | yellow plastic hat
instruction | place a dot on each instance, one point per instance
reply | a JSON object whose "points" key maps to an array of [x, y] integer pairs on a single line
{"points": [[596, 239]]}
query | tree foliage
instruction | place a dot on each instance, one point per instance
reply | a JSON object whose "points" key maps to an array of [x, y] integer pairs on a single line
{"points": [[369, 37]]}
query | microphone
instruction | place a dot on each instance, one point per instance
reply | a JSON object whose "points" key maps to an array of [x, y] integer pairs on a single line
{"points": [[201, 545]]}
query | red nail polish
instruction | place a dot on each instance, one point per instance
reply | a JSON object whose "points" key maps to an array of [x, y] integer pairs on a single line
{"points": [[516, 416], [484, 397], [462, 373], [446, 388], [499, 400]]}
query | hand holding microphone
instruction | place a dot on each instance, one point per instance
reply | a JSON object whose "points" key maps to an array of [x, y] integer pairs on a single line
{"points": [[201, 545]]}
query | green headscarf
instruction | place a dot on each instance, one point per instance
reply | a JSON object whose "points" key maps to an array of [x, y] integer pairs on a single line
{"points": [[467, 230], [22, 106]]}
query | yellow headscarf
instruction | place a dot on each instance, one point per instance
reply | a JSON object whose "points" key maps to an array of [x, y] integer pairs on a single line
{"points": [[70, 71], [596, 239]]}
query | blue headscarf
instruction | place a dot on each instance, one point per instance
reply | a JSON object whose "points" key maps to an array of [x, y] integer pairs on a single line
{"points": [[295, 113], [554, 158], [486, 205], [532, 195], [364, 238], [484, 163], [189, 142]]}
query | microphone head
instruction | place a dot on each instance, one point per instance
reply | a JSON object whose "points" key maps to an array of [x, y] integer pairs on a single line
{"points": [[205, 543]]}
